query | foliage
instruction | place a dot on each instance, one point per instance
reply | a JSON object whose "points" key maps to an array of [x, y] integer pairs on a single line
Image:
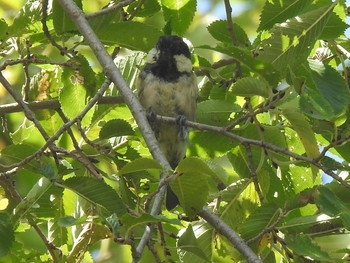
{"points": [[78, 182]]}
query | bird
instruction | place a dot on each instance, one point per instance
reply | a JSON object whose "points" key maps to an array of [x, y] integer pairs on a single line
{"points": [[167, 86]]}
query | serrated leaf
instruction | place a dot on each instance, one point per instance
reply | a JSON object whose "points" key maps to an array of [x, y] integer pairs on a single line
{"points": [[304, 131], [192, 191], [67, 221], [260, 219], [218, 30], [276, 11], [3, 28], [251, 86], [194, 165], [33, 196], [141, 164], [181, 18], [17, 152], [149, 8], [327, 96], [61, 19], [215, 112], [203, 233], [175, 5], [292, 41], [27, 20], [130, 221], [116, 128], [334, 28], [127, 66], [330, 204], [72, 96], [131, 34], [96, 192], [303, 245], [6, 234], [188, 242]]}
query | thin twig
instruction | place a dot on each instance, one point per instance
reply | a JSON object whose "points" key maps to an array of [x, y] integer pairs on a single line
{"points": [[62, 50], [53, 104], [34, 60], [268, 229], [109, 9], [253, 172]]}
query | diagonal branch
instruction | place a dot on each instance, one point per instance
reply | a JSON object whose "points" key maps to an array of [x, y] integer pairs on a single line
{"points": [[137, 111]]}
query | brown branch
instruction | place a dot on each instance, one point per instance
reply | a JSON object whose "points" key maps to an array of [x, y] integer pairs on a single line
{"points": [[268, 229], [34, 60], [109, 9], [253, 172], [53, 104], [262, 144], [232, 32], [63, 51]]}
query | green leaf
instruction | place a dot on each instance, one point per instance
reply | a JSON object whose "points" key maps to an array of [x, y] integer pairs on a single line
{"points": [[304, 131], [194, 165], [130, 221], [131, 34], [303, 245], [188, 242], [33, 196], [149, 8], [141, 164], [116, 128], [327, 95], [27, 20], [96, 192], [218, 29], [127, 66], [17, 152], [175, 5], [180, 15], [250, 86], [292, 41], [61, 20], [276, 11], [215, 112], [73, 95], [203, 243], [68, 221], [330, 204], [334, 28], [259, 220], [3, 28], [6, 234], [192, 191]]}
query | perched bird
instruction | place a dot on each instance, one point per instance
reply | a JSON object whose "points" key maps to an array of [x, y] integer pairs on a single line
{"points": [[167, 86]]}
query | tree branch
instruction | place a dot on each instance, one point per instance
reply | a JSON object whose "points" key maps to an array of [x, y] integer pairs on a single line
{"points": [[222, 228], [52, 104], [137, 111]]}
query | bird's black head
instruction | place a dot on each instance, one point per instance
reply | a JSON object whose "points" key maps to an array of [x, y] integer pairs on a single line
{"points": [[173, 45], [170, 59]]}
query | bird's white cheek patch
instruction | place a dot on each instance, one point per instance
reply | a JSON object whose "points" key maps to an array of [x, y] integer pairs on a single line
{"points": [[152, 56], [183, 63]]}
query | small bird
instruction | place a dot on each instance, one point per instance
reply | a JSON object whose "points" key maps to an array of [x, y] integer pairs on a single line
{"points": [[167, 86]]}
